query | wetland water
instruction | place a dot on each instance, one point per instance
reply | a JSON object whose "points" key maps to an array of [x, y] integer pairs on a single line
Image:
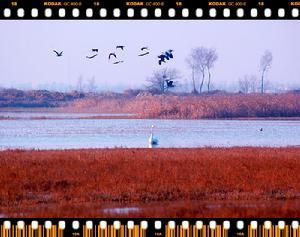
{"points": [[68, 131]]}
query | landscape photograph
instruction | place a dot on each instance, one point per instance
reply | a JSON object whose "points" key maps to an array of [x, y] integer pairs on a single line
{"points": [[149, 119]]}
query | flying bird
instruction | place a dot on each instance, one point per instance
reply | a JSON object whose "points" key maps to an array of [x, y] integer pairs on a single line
{"points": [[120, 47], [117, 62], [143, 48], [57, 53], [169, 54], [261, 129], [90, 57], [170, 83], [143, 54], [95, 50], [112, 54], [162, 58]]}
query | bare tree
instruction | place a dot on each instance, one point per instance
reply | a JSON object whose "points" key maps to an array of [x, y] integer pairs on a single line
{"points": [[244, 84], [210, 59], [265, 65], [91, 85], [253, 83], [80, 85], [248, 84], [197, 61], [192, 65], [157, 82]]}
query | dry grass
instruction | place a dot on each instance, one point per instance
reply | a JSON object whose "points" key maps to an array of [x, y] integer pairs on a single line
{"points": [[173, 182], [210, 106]]}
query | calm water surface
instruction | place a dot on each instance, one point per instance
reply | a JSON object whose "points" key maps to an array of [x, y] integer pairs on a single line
{"points": [[67, 132]]}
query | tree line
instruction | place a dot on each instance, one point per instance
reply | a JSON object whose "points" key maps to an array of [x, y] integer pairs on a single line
{"points": [[202, 61]]}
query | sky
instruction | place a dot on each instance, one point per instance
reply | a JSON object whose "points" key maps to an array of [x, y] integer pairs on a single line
{"points": [[27, 60]]}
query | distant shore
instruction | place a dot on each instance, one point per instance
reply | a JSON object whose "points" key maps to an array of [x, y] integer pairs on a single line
{"points": [[204, 182], [91, 115], [214, 105]]}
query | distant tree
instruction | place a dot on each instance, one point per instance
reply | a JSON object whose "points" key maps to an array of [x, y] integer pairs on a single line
{"points": [[197, 62], [253, 83], [202, 58], [244, 85], [91, 85], [248, 84], [157, 82], [80, 85], [192, 65], [210, 59], [265, 65]]}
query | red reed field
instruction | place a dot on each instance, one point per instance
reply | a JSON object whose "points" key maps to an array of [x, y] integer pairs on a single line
{"points": [[210, 106], [206, 182]]}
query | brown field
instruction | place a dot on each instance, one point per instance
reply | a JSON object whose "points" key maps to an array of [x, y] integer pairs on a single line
{"points": [[206, 182]]}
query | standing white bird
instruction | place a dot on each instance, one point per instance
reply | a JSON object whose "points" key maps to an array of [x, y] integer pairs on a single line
{"points": [[152, 139]]}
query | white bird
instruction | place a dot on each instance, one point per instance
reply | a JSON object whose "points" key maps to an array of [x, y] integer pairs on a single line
{"points": [[152, 139]]}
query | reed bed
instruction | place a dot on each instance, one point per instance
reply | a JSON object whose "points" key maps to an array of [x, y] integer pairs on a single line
{"points": [[66, 183]]}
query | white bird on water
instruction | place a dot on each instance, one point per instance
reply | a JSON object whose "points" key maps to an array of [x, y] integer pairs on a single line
{"points": [[152, 139]]}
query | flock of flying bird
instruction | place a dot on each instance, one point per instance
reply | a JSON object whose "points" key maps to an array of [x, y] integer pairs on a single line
{"points": [[167, 55], [163, 57]]}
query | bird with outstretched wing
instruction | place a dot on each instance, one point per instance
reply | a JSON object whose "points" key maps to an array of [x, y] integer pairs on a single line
{"points": [[120, 47], [57, 53], [112, 55], [117, 62], [143, 54], [90, 57], [162, 58]]}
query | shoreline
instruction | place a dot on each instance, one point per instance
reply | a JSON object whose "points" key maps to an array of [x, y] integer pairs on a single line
{"points": [[119, 116], [104, 149], [181, 182]]}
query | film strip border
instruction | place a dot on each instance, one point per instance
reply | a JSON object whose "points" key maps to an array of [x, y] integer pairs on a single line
{"points": [[149, 10], [150, 228]]}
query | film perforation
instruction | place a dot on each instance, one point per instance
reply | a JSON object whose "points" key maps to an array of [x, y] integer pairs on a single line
{"points": [[75, 12], [48, 12], [144, 12], [254, 13], [199, 12], [185, 12], [171, 12], [21, 12], [34, 12], [142, 228], [150, 13], [157, 12], [103, 12], [226, 12], [117, 12], [212, 12], [130, 12], [281, 12], [61, 12], [240, 12], [268, 12], [7, 12], [295, 12], [89, 12]]}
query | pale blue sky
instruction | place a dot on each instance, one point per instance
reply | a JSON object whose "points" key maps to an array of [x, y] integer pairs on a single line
{"points": [[27, 60]]}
